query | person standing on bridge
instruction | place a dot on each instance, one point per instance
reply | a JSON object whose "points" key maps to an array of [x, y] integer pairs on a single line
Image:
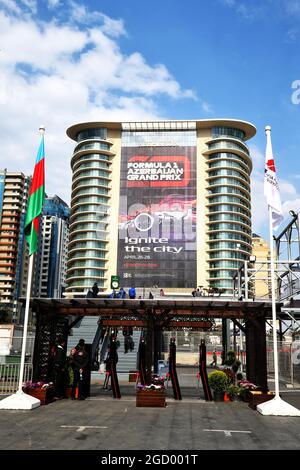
{"points": [[122, 294], [132, 292]]}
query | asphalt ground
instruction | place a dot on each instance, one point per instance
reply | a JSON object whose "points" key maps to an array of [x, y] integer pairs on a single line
{"points": [[103, 423]]}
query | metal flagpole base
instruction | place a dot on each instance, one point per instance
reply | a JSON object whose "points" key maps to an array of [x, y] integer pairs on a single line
{"points": [[277, 407], [19, 401]]}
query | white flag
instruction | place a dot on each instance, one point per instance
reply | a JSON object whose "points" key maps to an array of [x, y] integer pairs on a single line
{"points": [[271, 187]]}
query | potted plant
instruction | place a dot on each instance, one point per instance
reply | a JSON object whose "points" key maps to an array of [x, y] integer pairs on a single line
{"points": [[41, 390], [151, 395], [233, 392], [218, 382], [245, 388]]}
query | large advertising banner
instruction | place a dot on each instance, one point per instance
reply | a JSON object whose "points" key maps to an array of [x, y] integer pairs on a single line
{"points": [[157, 219]]}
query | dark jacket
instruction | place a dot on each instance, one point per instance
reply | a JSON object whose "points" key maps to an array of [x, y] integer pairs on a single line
{"points": [[59, 356], [80, 359], [127, 331]]}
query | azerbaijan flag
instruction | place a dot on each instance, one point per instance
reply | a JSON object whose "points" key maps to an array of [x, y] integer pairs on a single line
{"points": [[35, 200]]}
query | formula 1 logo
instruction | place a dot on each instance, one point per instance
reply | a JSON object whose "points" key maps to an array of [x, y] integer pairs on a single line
{"points": [[158, 171]]}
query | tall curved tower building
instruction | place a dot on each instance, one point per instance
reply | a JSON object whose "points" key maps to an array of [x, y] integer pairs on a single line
{"points": [[162, 204]]}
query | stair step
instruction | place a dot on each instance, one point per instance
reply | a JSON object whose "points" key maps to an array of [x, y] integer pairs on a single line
{"points": [[87, 331]]}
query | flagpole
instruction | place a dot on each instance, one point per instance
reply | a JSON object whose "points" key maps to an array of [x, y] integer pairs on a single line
{"points": [[25, 327], [27, 305], [276, 406], [21, 400], [275, 349]]}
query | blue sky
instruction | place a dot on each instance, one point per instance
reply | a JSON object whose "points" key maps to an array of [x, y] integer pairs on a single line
{"points": [[63, 62]]}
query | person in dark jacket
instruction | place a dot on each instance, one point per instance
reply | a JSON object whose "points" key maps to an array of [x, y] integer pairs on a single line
{"points": [[128, 341], [80, 343], [59, 363], [95, 290], [79, 363], [108, 367]]}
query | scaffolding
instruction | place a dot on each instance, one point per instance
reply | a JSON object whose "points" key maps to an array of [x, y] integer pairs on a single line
{"points": [[287, 274]]}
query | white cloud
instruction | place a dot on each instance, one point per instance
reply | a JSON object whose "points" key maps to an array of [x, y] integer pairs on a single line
{"points": [[30, 4], [113, 27], [57, 73], [207, 108], [82, 15], [53, 3], [292, 7], [244, 10], [290, 196], [11, 6]]}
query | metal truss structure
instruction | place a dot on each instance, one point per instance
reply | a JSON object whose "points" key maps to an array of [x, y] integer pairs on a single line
{"points": [[287, 273]]}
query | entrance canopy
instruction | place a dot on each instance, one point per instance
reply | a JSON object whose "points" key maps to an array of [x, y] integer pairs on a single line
{"points": [[167, 313], [55, 317]]}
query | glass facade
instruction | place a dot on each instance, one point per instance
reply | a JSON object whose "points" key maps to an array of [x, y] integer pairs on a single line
{"points": [[158, 165], [220, 131], [100, 133], [89, 207], [158, 138], [229, 203]]}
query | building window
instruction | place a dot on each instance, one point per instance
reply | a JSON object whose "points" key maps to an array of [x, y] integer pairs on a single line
{"points": [[98, 133], [219, 131]]}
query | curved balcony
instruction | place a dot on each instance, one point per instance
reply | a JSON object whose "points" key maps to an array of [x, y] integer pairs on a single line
{"points": [[85, 278], [237, 202], [96, 218], [88, 202], [223, 148], [95, 191], [228, 143], [87, 238], [228, 173], [88, 208], [78, 249], [229, 191], [240, 230], [99, 165]]}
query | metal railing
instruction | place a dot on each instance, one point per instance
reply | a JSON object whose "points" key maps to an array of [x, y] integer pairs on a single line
{"points": [[288, 362], [9, 377], [11, 347]]}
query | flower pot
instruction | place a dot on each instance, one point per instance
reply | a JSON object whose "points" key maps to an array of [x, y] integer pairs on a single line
{"points": [[151, 398], [218, 396], [256, 398], [235, 398], [45, 395], [68, 392]]}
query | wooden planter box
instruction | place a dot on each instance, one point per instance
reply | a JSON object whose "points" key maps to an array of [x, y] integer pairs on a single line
{"points": [[151, 398], [256, 398], [45, 395]]}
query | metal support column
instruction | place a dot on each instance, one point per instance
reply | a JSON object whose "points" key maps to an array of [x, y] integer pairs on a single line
{"points": [[256, 351]]}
